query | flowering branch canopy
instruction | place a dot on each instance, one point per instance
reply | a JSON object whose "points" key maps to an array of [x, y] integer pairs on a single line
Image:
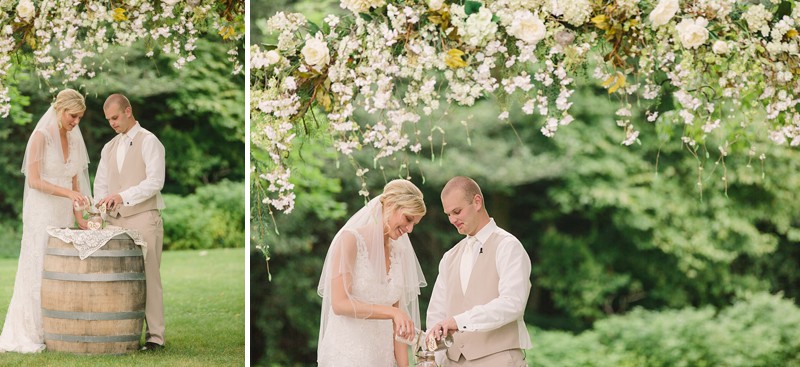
{"points": [[63, 37], [399, 59]]}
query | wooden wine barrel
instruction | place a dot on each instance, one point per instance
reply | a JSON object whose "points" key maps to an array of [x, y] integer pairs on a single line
{"points": [[95, 305]]}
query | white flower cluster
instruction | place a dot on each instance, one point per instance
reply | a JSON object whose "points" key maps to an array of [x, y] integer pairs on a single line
{"points": [[283, 194], [475, 29], [407, 58], [79, 31], [575, 12], [757, 18], [361, 6]]}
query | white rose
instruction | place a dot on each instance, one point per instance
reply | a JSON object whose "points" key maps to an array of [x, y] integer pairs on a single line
{"points": [[26, 10], [435, 4], [663, 12], [361, 6], [720, 47], [170, 2], [692, 33], [272, 57], [316, 53], [527, 27]]}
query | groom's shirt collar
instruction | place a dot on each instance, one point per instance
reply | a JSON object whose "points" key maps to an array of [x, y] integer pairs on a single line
{"points": [[485, 232], [133, 131]]}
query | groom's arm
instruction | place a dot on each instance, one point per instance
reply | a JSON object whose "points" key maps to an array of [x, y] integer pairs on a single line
{"points": [[153, 156], [514, 269]]}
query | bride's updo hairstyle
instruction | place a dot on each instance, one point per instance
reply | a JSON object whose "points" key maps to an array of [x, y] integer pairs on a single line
{"points": [[69, 100], [402, 195]]}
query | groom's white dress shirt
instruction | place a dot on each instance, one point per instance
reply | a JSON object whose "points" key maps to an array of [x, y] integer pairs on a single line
{"points": [[513, 268], [153, 156]]}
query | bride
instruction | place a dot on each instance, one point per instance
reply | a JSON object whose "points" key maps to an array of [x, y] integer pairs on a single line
{"points": [[370, 283], [56, 182]]}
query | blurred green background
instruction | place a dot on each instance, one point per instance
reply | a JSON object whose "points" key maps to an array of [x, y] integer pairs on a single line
{"points": [[633, 264]]}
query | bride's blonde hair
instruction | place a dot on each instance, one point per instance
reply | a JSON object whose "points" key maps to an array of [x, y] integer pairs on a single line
{"points": [[402, 195], [69, 100]]}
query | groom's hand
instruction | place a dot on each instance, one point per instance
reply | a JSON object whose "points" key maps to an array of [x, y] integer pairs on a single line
{"points": [[111, 201], [443, 328]]}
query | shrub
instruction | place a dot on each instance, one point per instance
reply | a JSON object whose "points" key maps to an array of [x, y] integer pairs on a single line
{"points": [[212, 217], [11, 235], [759, 330]]}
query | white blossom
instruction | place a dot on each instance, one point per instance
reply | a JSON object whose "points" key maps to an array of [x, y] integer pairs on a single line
{"points": [[316, 54], [527, 27], [477, 28], [435, 4], [720, 47], [663, 12], [361, 6], [757, 17], [692, 32], [26, 10]]}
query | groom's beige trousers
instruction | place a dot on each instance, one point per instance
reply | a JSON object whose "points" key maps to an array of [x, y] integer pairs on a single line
{"points": [[151, 228]]}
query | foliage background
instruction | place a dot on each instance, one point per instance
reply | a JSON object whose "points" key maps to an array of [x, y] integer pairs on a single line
{"points": [[625, 244], [196, 112]]}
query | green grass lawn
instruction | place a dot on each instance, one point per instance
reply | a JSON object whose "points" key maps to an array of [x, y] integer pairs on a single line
{"points": [[203, 306]]}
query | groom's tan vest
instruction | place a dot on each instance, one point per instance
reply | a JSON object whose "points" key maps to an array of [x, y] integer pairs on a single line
{"points": [[132, 173], [482, 288]]}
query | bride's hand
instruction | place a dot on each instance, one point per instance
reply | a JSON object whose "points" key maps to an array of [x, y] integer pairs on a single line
{"points": [[403, 325], [78, 200]]}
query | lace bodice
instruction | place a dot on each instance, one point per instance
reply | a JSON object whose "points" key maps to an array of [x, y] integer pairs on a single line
{"points": [[373, 290], [53, 168]]}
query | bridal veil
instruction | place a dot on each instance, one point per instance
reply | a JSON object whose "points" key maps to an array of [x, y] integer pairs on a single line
{"points": [[368, 222], [46, 133]]}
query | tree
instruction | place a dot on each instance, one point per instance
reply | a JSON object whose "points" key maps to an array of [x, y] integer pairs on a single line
{"points": [[68, 40], [400, 59]]}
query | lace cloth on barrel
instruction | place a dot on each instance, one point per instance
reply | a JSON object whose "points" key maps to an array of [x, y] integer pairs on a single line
{"points": [[87, 241]]}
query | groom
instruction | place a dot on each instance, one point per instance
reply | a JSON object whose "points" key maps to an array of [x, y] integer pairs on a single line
{"points": [[482, 287], [129, 179]]}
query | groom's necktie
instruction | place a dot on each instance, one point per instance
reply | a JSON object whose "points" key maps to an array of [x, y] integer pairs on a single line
{"points": [[467, 261]]}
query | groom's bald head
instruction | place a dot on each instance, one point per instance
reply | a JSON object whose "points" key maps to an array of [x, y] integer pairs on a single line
{"points": [[117, 99], [119, 113]]}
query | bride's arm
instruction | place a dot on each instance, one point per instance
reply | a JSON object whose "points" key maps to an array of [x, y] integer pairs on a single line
{"points": [[400, 349], [343, 261], [82, 223]]}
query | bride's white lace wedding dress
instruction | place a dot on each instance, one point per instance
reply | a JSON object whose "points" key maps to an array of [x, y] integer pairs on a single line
{"points": [[22, 330], [352, 342]]}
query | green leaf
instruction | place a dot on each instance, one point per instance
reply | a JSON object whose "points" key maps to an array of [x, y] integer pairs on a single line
{"points": [[312, 28], [784, 9], [365, 16], [472, 7]]}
